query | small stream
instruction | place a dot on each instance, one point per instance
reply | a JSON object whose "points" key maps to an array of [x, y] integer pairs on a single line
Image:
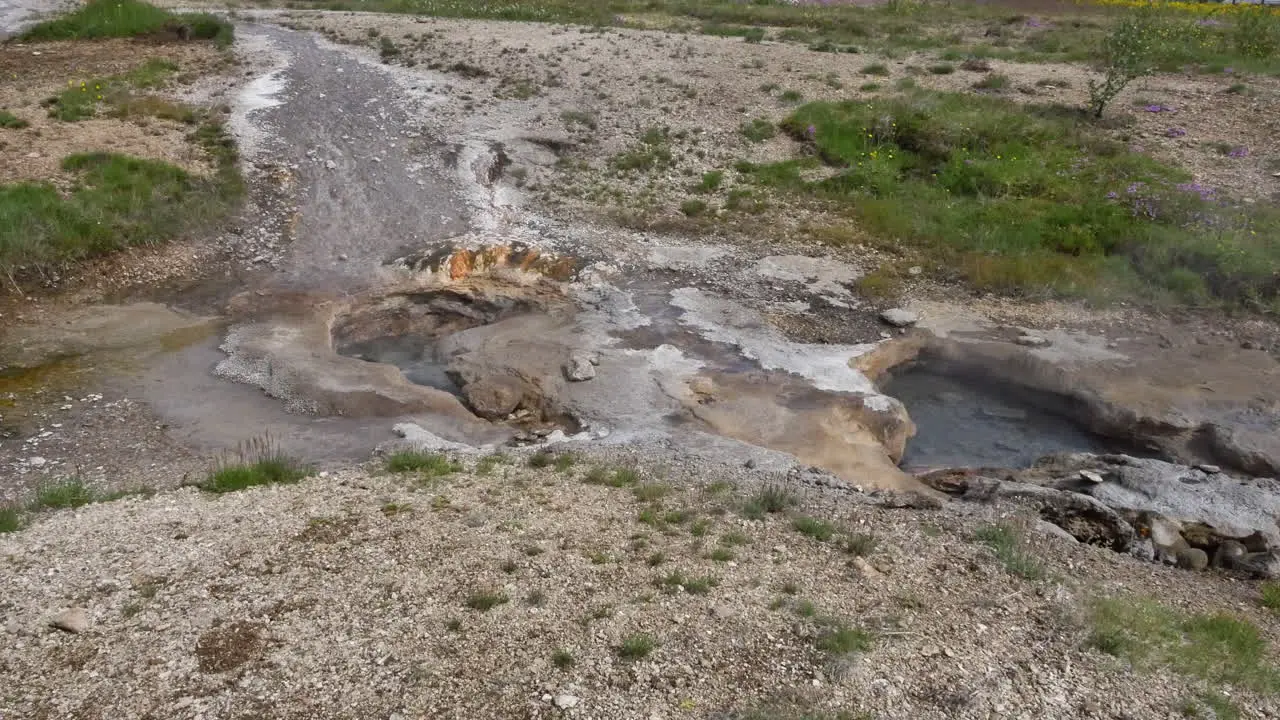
{"points": [[962, 422]]}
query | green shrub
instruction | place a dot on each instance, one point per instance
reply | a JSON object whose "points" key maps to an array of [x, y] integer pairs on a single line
{"points": [[1126, 55], [129, 18]]}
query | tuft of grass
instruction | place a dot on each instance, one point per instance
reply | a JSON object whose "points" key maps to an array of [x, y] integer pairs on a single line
{"points": [[542, 459], [722, 554], [1010, 550], [693, 207], [942, 69], [10, 519], [837, 639], [579, 117], [758, 130], [488, 463], [1270, 595], [428, 464], [256, 462], [676, 579], [66, 493], [508, 566], [1217, 648], [700, 527], [656, 559], [130, 18], [976, 65], [860, 544], [994, 81], [622, 477], [813, 528], [565, 461], [711, 181], [770, 499], [636, 646], [486, 600], [735, 538], [9, 121], [453, 625], [869, 87], [878, 69], [791, 96], [562, 659], [537, 598], [649, 492]]}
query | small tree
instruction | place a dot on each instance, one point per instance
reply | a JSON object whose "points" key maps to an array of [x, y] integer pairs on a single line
{"points": [[1126, 56]]}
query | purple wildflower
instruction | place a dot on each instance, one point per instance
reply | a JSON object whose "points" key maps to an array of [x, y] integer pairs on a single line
{"points": [[810, 131], [1239, 152], [1228, 71], [1159, 108], [1112, 195], [1175, 132], [1205, 193], [1134, 187]]}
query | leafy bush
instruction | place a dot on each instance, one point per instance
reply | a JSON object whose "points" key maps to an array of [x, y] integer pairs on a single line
{"points": [[1127, 55]]}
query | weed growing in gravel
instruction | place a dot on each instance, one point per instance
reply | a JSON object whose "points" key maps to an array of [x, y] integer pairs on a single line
{"points": [[453, 625], [942, 69], [790, 588], [10, 519], [994, 81], [770, 499], [700, 527], [562, 659], [758, 130], [735, 538], [636, 647], [428, 464], [676, 579], [508, 566], [649, 492], [656, 559], [1217, 648], [565, 461], [1210, 706], [1270, 596], [579, 117], [489, 463], [388, 50], [1010, 550], [711, 181], [869, 87], [876, 69], [837, 638], [693, 207], [791, 96], [722, 554], [486, 600], [813, 528], [67, 493], [859, 544], [9, 121], [537, 598]]}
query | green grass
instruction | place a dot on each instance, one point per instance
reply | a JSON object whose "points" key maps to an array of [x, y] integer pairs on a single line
{"points": [[836, 638], [622, 477], [427, 464], [116, 201], [129, 18], [676, 579], [711, 181], [1030, 200], [10, 519], [721, 554], [693, 207], [1270, 596], [1010, 550], [9, 121], [879, 69], [486, 600], [488, 463], [860, 544], [758, 130], [942, 69], [60, 494], [648, 492], [994, 81], [1216, 648], [637, 646], [562, 659], [256, 462], [769, 500], [813, 528]]}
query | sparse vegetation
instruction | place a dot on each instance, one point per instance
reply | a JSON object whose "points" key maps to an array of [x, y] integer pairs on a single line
{"points": [[942, 68], [69, 492], [10, 519], [876, 69], [429, 465], [770, 499], [1270, 598], [1127, 54], [814, 528], [676, 579], [838, 638], [637, 646], [562, 659], [693, 207], [486, 600], [994, 82], [9, 121], [1217, 648], [860, 544], [1010, 549], [721, 554], [649, 492], [256, 462], [758, 130]]}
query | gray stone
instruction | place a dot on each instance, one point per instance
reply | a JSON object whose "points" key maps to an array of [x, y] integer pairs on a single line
{"points": [[1048, 529], [1193, 559], [72, 620], [1265, 565], [1229, 554], [1211, 469], [579, 368], [1143, 550], [900, 317], [1091, 476], [565, 702], [1032, 341]]}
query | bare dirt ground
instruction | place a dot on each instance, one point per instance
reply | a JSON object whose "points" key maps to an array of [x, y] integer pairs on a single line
{"points": [[241, 606]]}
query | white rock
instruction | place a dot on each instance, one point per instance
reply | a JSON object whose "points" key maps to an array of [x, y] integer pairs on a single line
{"points": [[579, 368], [1032, 341], [330, 164], [72, 620], [1091, 476], [36, 461], [900, 317], [564, 702]]}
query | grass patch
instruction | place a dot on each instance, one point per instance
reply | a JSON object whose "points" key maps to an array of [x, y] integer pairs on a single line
{"points": [[486, 600], [650, 492], [769, 500], [675, 580], [814, 528], [1217, 648], [1031, 200], [562, 659], [758, 130], [838, 638], [994, 81], [721, 554], [622, 477], [130, 18], [942, 69], [489, 463], [860, 544], [10, 519], [428, 464], [9, 121], [116, 201], [693, 207], [1009, 547], [711, 181], [67, 493], [637, 646], [878, 69], [257, 462], [1270, 596]]}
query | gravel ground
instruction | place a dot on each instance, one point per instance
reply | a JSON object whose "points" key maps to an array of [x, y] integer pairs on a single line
{"points": [[346, 596]]}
